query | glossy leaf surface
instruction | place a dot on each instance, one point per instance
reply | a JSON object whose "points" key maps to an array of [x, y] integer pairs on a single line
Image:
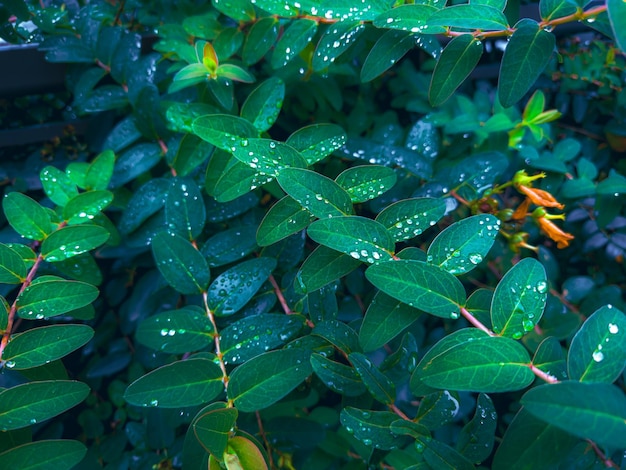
{"points": [[408, 218], [26, 216], [47, 454], [73, 240], [50, 298]]}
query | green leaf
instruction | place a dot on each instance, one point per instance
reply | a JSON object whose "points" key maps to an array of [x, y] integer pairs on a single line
{"points": [[188, 154], [232, 289], [100, 171], [294, 39], [76, 171], [413, 18], [44, 455], [463, 245], [254, 335], [212, 429], [12, 266], [379, 386], [177, 331], [266, 156], [85, 206], [338, 377], [277, 7], [366, 182], [4, 313], [133, 162], [338, 334], [385, 319], [471, 360], [57, 186], [617, 17], [318, 194], [317, 141], [441, 456], [40, 346], [322, 267], [223, 130], [30, 403], [410, 217], [229, 245], [419, 285], [598, 351], [334, 42], [371, 427], [228, 179], [234, 72], [146, 201], [614, 184], [284, 218], [267, 378], [185, 214], [363, 239], [595, 411], [477, 437], [26, 216], [437, 409], [260, 39], [519, 299], [72, 241], [550, 358], [470, 16], [457, 61], [47, 299], [388, 50], [263, 104], [526, 55], [185, 383], [532, 443]]}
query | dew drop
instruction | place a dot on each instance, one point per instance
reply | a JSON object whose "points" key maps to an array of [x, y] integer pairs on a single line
{"points": [[613, 328], [598, 356]]}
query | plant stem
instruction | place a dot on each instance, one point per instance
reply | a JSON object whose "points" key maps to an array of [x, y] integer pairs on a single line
{"points": [[281, 297], [474, 321], [399, 412], [216, 337], [543, 375]]}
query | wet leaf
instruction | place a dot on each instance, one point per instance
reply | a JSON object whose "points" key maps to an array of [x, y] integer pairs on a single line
{"points": [[413, 18], [317, 141], [472, 16], [379, 386], [338, 334], [334, 42], [229, 245], [212, 429], [40, 455], [408, 218], [26, 216], [372, 428], [617, 15], [100, 171], [260, 40], [338, 377], [185, 214], [57, 186], [223, 130], [72, 241], [294, 39], [263, 104], [366, 182], [323, 266], [388, 50], [284, 218], [477, 436], [12, 266], [50, 298], [266, 156]]}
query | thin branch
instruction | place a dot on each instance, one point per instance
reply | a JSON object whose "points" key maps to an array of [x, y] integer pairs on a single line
{"points": [[216, 337], [281, 297], [608, 463], [475, 322], [399, 412], [264, 437], [543, 375]]}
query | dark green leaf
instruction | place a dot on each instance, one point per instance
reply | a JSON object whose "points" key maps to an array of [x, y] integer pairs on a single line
{"points": [[338, 377], [267, 378], [133, 162], [469, 16], [177, 331], [413, 18], [410, 217], [73, 240], [57, 186], [437, 409], [228, 179], [363, 239], [284, 218], [366, 182], [372, 428], [519, 299], [595, 411], [470, 359], [598, 351], [464, 244], [185, 214], [526, 55], [477, 436], [260, 40], [213, 429], [183, 383], [26, 216], [381, 388], [51, 298], [44, 455], [254, 335], [322, 267], [266, 156], [457, 61], [223, 130], [441, 456], [552, 9], [317, 141], [40, 346], [338, 334], [30, 403], [617, 18], [550, 358], [419, 285], [263, 104], [388, 50], [294, 39], [334, 42], [180, 263], [232, 289], [318, 194], [230, 245], [614, 184], [188, 154], [240, 10], [12, 266]]}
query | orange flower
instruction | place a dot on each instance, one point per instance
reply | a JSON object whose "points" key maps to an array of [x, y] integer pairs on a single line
{"points": [[522, 210], [561, 238], [539, 197]]}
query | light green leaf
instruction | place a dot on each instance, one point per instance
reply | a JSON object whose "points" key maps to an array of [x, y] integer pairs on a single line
{"points": [[471, 16], [463, 245], [379, 386], [598, 351], [408, 218], [72, 241], [471, 360], [39, 346], [30, 403], [614, 184], [519, 299], [240, 10], [322, 267], [185, 214], [595, 411], [267, 378], [85, 206], [294, 39], [263, 104], [223, 130], [457, 61], [366, 182], [617, 18], [180, 263], [388, 50], [419, 285], [317, 141], [413, 18], [234, 72], [26, 216], [284, 218], [526, 55], [232, 289], [266, 156], [334, 42], [185, 383], [260, 40], [50, 298], [177, 331], [318, 194], [44, 455], [363, 239], [57, 186], [100, 171], [338, 377], [371, 427], [12, 266], [212, 429]]}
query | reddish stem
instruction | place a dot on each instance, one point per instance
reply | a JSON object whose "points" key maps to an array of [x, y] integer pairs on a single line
{"points": [[216, 338], [543, 375], [475, 322], [281, 297]]}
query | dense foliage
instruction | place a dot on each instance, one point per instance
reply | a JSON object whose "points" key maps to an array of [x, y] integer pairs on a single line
{"points": [[302, 238]]}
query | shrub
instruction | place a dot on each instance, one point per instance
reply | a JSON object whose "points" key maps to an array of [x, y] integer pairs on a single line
{"points": [[303, 239]]}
